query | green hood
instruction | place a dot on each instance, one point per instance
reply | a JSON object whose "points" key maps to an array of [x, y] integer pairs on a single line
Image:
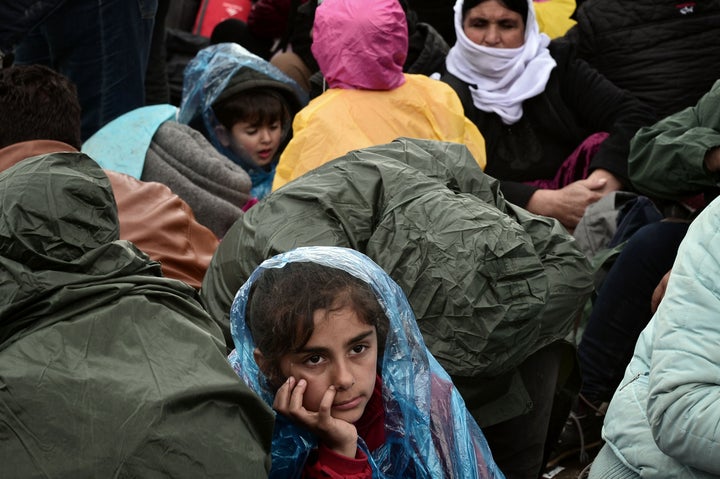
{"points": [[107, 369]]}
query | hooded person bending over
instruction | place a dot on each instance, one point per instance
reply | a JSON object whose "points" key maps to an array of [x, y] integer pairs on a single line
{"points": [[41, 115], [361, 49], [108, 369]]}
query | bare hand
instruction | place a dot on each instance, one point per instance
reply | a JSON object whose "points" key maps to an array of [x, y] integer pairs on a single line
{"points": [[336, 434], [659, 292], [567, 204], [712, 159], [611, 181]]}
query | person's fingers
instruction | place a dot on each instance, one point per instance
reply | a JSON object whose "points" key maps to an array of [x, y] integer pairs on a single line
{"points": [[298, 395], [282, 396], [597, 183], [659, 292], [326, 402]]}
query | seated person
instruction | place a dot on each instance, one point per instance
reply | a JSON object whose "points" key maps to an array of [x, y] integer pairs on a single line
{"points": [[148, 144], [664, 63], [557, 131], [495, 289], [361, 48], [554, 16], [663, 418], [676, 158], [320, 333], [108, 369], [425, 55], [41, 115], [244, 106], [426, 48]]}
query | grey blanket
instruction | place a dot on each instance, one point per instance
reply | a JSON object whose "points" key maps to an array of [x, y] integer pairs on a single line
{"points": [[215, 188]]}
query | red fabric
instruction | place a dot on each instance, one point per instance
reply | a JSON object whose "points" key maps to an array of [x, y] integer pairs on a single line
{"points": [[212, 12], [576, 166], [324, 463], [269, 18]]}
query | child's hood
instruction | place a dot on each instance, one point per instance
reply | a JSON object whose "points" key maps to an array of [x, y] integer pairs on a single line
{"points": [[415, 386], [361, 45], [224, 69]]}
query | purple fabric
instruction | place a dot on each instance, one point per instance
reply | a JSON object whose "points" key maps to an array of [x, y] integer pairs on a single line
{"points": [[576, 166]]}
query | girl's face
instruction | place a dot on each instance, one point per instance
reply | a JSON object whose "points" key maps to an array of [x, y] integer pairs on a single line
{"points": [[258, 143], [491, 24], [342, 352]]}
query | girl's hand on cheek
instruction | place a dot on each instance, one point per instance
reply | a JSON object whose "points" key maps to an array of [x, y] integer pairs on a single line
{"points": [[336, 434]]}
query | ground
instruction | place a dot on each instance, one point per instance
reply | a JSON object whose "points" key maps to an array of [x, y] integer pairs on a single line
{"points": [[569, 468]]}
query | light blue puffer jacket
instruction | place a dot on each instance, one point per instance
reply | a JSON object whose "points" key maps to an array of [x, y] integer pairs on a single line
{"points": [[664, 419]]}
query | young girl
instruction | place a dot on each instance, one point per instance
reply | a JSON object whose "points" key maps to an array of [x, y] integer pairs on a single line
{"points": [[325, 336], [243, 105]]}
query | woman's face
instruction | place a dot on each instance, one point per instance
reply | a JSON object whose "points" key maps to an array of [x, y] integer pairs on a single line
{"points": [[491, 24]]}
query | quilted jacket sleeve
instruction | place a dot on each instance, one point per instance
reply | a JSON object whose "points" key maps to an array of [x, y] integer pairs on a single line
{"points": [[683, 383]]}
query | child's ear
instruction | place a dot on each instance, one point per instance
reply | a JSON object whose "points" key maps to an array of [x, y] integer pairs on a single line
{"points": [[223, 135], [260, 360], [265, 368]]}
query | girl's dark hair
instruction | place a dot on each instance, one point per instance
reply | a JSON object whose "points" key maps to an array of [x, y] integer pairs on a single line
{"points": [[280, 308], [257, 106], [519, 6]]}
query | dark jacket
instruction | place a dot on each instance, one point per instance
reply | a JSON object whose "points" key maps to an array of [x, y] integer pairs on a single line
{"points": [[108, 369], [576, 103], [489, 282], [663, 51], [19, 17]]}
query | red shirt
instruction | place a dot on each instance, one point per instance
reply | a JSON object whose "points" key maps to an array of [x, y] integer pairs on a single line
{"points": [[325, 463]]}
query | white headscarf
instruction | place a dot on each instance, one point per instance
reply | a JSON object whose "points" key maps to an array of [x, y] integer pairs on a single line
{"points": [[502, 78]]}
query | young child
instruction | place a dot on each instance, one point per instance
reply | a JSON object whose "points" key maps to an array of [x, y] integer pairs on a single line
{"points": [[325, 336], [243, 105]]}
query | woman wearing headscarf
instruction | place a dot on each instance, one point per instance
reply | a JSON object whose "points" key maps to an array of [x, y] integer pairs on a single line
{"points": [[557, 132]]}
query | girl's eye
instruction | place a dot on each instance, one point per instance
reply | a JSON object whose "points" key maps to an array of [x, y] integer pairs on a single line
{"points": [[359, 348], [313, 360], [508, 25]]}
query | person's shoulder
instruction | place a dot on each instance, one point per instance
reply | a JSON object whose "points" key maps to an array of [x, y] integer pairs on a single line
{"points": [[563, 51], [424, 82]]}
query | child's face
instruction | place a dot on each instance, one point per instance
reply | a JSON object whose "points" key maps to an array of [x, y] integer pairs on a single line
{"points": [[342, 352], [259, 143]]}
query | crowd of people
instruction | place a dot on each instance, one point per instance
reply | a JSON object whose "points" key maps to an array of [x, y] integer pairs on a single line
{"points": [[382, 239]]}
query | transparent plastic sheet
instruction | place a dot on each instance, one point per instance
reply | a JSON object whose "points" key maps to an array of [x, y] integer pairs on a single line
{"points": [[429, 432], [209, 74]]}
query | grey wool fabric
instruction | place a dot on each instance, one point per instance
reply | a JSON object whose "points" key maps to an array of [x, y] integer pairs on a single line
{"points": [[215, 188]]}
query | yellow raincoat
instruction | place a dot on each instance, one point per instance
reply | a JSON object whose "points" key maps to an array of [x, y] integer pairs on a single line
{"points": [[341, 120], [554, 16]]}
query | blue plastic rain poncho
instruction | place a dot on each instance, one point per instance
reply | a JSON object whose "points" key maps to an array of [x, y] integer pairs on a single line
{"points": [[225, 69], [429, 432]]}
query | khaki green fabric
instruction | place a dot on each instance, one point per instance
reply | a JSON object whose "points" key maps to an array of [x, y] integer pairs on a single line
{"points": [[489, 282], [106, 368]]}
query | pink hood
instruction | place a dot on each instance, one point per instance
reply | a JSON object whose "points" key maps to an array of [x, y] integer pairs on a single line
{"points": [[361, 44]]}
